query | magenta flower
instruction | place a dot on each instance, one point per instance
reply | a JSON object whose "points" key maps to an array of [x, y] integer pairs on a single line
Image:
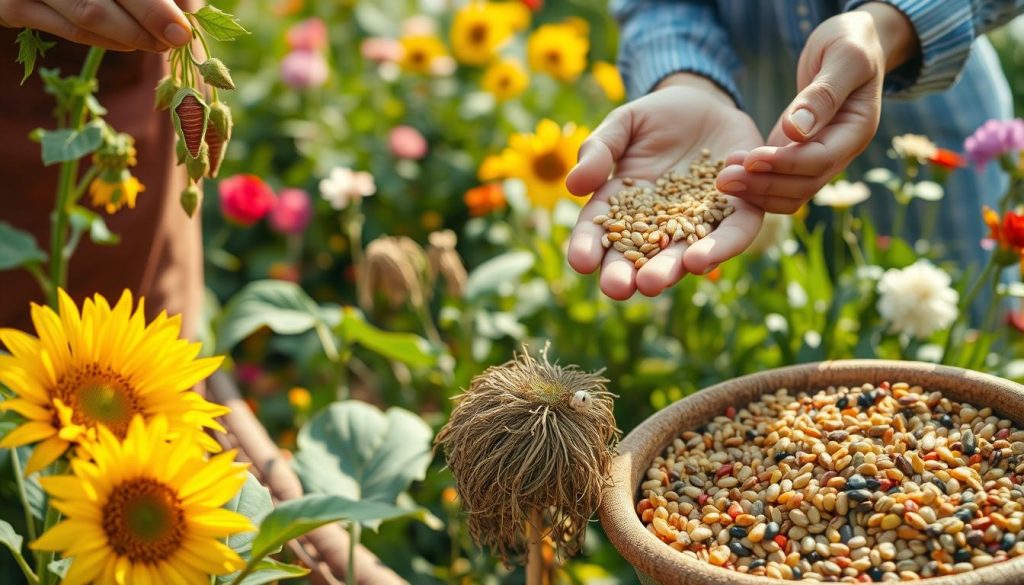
{"points": [[407, 142], [994, 139], [245, 199], [308, 35], [292, 213], [303, 69], [381, 50]]}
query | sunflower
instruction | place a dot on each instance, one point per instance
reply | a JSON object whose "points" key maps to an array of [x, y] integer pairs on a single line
{"points": [[560, 50], [479, 29], [419, 52], [541, 160], [607, 76], [505, 79], [113, 195], [101, 367], [145, 510]]}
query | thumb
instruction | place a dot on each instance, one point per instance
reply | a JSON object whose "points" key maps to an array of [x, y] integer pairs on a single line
{"points": [[814, 107], [600, 152]]}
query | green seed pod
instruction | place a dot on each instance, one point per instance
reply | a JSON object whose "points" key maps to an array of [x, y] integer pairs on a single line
{"points": [[190, 115], [216, 74], [198, 166], [165, 91], [191, 198], [218, 133], [179, 150]]}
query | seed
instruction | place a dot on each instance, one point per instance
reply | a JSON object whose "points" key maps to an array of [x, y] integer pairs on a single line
{"points": [[632, 255]]}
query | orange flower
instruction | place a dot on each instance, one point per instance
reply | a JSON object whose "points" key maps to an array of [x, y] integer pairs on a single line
{"points": [[1008, 234], [947, 159], [485, 199]]}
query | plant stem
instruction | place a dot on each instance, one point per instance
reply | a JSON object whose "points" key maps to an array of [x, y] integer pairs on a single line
{"points": [[987, 325], [353, 541], [43, 561], [965, 305], [535, 550], [30, 522], [31, 577]]}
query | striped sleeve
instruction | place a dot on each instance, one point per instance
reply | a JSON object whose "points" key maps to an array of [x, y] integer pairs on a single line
{"points": [[662, 37]]}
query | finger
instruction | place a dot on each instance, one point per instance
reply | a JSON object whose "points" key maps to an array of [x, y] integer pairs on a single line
{"points": [[736, 158], [600, 152], [842, 72], [662, 271], [618, 276], [805, 159], [728, 240], [41, 17], [106, 19], [585, 249], [162, 18], [735, 180]]}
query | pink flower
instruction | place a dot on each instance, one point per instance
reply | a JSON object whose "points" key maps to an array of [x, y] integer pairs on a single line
{"points": [[407, 142], [292, 213], [245, 199], [343, 186], [308, 35], [248, 373], [994, 139], [304, 69], [381, 50]]}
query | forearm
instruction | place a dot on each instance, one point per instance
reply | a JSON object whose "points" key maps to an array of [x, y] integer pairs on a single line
{"points": [[895, 33]]}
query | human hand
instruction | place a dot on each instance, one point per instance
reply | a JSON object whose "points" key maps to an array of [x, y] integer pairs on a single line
{"points": [[121, 25], [834, 116], [643, 140]]}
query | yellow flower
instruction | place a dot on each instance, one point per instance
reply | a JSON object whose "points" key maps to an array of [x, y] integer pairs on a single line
{"points": [[540, 160], [146, 511], [115, 195], [560, 50], [300, 398], [101, 367], [419, 52], [607, 76], [505, 79], [480, 29]]}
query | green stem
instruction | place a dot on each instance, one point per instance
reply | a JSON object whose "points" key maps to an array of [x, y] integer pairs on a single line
{"points": [[987, 325], [30, 522], [965, 305], [353, 541], [87, 178], [43, 561], [30, 576]]}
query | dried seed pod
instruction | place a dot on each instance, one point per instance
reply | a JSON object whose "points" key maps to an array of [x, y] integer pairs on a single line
{"points": [[191, 116], [215, 73], [218, 135], [165, 91]]}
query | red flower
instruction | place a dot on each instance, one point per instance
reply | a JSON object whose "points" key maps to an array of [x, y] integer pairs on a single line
{"points": [[245, 199], [292, 213], [947, 159], [485, 199], [1008, 234], [534, 5]]}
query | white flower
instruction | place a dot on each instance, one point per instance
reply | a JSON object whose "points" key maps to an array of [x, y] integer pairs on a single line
{"points": [[917, 300], [928, 191], [914, 146], [344, 185], [879, 175], [842, 194], [774, 232]]}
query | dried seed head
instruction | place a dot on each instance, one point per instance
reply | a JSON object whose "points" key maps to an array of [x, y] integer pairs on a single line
{"points": [[446, 263], [397, 268]]}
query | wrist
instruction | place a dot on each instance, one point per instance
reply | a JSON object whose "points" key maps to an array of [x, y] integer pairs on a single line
{"points": [[896, 34], [695, 81]]}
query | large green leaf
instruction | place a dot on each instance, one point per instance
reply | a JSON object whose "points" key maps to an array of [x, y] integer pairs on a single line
{"points": [[354, 450], [219, 24], [83, 220], [18, 248], [297, 517], [282, 306], [66, 144], [10, 538], [506, 268], [266, 571], [253, 502], [407, 348]]}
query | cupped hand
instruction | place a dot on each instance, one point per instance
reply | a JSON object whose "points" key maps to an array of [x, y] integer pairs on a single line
{"points": [[835, 114], [121, 25], [643, 140]]}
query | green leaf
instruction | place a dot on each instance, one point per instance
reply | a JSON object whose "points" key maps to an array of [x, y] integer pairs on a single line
{"points": [[10, 538], [253, 502], [83, 219], [506, 268], [18, 248], [59, 567], [354, 450], [266, 571], [282, 306], [66, 144], [407, 348], [31, 47], [219, 24], [294, 518]]}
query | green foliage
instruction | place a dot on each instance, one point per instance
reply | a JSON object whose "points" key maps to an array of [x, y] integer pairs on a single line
{"points": [[281, 306], [266, 571], [66, 144], [18, 248], [219, 24], [253, 502], [9, 538], [31, 47], [407, 348]]}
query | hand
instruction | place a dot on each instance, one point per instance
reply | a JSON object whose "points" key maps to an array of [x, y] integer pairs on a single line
{"points": [[121, 25], [643, 140], [834, 116]]}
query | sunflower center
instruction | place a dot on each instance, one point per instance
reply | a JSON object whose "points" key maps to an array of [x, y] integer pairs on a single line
{"points": [[478, 33], [99, 395], [144, 521], [553, 57], [550, 167], [418, 57]]}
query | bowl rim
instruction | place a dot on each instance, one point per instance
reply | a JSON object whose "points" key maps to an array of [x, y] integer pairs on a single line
{"points": [[650, 556]]}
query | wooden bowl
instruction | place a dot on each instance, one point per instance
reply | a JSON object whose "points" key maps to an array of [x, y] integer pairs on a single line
{"points": [[656, 562]]}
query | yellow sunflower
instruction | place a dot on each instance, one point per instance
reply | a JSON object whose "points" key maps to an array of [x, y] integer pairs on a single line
{"points": [[560, 50], [145, 510], [419, 52], [114, 195], [101, 367], [479, 29], [505, 79], [607, 76], [540, 160]]}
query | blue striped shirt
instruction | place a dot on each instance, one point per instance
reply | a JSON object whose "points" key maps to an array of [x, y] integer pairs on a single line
{"points": [[751, 49]]}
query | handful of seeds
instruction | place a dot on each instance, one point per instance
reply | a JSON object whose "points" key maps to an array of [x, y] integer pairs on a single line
{"points": [[643, 221], [861, 484]]}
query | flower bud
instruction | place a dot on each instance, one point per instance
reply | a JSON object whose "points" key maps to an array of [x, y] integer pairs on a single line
{"points": [[190, 116], [198, 166], [179, 151], [191, 197], [215, 73], [218, 134], [165, 91]]}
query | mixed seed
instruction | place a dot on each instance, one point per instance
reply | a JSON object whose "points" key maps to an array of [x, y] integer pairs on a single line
{"points": [[644, 220], [853, 485]]}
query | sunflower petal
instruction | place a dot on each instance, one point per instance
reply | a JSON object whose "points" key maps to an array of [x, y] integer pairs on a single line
{"points": [[46, 453]]}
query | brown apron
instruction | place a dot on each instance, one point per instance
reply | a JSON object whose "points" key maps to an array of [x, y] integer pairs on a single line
{"points": [[160, 254]]}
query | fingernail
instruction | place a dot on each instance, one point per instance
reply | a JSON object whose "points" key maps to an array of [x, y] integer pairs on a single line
{"points": [[177, 35], [803, 119], [710, 268], [735, 187], [760, 166]]}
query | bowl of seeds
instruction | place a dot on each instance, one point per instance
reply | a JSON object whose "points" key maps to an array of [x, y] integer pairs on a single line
{"points": [[853, 471]]}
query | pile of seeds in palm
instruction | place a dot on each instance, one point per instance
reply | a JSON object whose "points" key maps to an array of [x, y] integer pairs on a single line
{"points": [[850, 485], [644, 220]]}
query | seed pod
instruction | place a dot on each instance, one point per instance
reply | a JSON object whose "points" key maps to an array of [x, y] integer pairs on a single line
{"points": [[218, 134], [179, 150], [165, 91], [216, 74], [191, 197], [191, 116], [198, 166]]}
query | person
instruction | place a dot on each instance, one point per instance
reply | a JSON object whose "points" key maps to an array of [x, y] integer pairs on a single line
{"points": [[160, 254], [864, 73]]}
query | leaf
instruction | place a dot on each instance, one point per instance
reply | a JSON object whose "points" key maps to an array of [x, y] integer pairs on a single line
{"points": [[266, 571], [354, 450], [30, 47], [219, 24], [506, 268], [66, 144], [18, 248], [294, 518], [59, 567], [84, 219], [407, 348], [253, 502], [282, 306], [10, 538]]}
